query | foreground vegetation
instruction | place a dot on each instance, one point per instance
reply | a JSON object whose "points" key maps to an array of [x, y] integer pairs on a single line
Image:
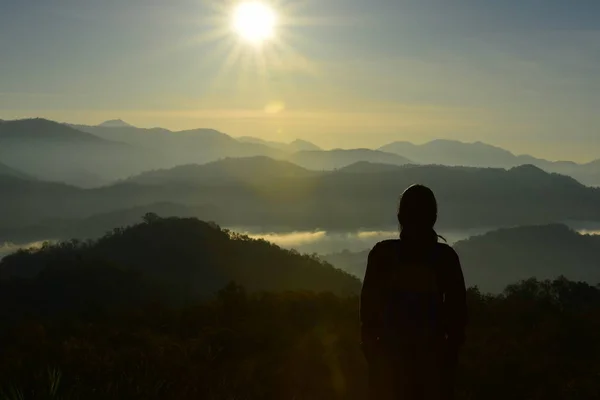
{"points": [[537, 341], [90, 326]]}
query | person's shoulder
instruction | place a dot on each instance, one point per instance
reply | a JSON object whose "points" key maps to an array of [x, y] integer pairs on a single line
{"points": [[384, 246], [446, 250], [447, 254]]}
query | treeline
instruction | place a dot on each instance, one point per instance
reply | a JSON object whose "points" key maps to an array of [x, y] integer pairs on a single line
{"points": [[536, 341]]}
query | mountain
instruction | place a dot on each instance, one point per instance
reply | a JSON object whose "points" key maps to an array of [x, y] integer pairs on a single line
{"points": [[32, 130], [587, 173], [353, 262], [115, 123], [190, 257], [92, 156], [501, 257], [450, 152], [167, 149], [255, 140], [364, 167], [295, 146], [5, 170], [25, 201], [57, 152], [278, 196], [478, 154], [339, 158], [230, 170], [303, 145], [157, 137], [95, 226]]}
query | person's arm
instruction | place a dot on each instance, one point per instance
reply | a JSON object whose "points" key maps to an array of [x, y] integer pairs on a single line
{"points": [[456, 303], [370, 304]]}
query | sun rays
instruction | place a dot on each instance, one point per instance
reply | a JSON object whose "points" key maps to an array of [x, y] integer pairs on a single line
{"points": [[252, 40]]}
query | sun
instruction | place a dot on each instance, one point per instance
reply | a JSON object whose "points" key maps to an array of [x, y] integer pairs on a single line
{"points": [[254, 21]]}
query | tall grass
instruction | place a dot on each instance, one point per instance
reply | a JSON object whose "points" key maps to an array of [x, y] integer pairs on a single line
{"points": [[49, 392]]}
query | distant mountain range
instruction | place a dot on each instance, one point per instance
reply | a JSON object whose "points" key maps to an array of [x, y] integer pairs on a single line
{"points": [[455, 153], [92, 156], [450, 152], [496, 259], [55, 152], [338, 158], [273, 194], [205, 145], [296, 145]]}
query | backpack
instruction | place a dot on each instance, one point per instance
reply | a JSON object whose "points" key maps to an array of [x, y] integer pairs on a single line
{"points": [[413, 300]]}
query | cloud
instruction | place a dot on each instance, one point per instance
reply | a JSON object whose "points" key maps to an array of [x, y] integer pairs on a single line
{"points": [[9, 248], [292, 239]]}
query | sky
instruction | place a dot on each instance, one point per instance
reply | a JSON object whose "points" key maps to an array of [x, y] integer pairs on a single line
{"points": [[521, 74]]}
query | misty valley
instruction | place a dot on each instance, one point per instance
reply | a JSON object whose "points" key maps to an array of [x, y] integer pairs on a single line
{"points": [[348, 251], [333, 203]]}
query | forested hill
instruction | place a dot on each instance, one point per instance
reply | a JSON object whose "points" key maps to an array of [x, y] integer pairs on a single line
{"points": [[501, 257], [277, 195], [184, 255]]}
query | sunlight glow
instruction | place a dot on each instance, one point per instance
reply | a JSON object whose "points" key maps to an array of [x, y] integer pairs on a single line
{"points": [[254, 21], [251, 42]]}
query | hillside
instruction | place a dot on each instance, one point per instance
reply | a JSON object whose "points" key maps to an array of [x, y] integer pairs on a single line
{"points": [[230, 170], [353, 262], [194, 146], [25, 201], [265, 193], [115, 123], [342, 200], [5, 170], [303, 145], [93, 156], [364, 167], [57, 152], [189, 256], [42, 129], [451, 152], [335, 159], [295, 146], [97, 225], [498, 258]]}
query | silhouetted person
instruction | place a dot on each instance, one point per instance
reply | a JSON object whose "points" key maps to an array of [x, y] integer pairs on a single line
{"points": [[413, 307]]}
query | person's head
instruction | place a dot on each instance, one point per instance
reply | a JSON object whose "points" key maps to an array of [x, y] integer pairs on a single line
{"points": [[417, 213]]}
